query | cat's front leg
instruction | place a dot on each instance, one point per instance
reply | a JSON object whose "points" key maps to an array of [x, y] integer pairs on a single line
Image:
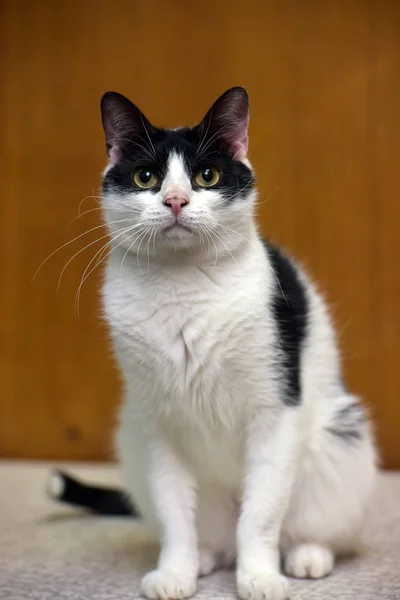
{"points": [[271, 457], [173, 493]]}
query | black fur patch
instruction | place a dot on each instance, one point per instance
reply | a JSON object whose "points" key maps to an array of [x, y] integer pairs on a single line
{"points": [[236, 179], [290, 308], [98, 499], [349, 422]]}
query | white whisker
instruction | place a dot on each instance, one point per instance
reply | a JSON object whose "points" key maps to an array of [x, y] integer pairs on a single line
{"points": [[214, 137], [129, 248], [74, 240], [82, 250], [145, 149], [153, 231], [148, 136], [87, 274], [114, 237], [138, 252], [222, 241], [204, 135], [207, 231], [231, 231], [258, 203], [239, 191], [87, 198], [80, 215]]}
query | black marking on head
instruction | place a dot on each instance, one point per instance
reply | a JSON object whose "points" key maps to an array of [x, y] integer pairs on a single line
{"points": [[349, 422], [236, 178], [137, 144], [290, 308]]}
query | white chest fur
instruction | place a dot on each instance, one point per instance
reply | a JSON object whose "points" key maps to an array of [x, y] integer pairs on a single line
{"points": [[193, 343]]}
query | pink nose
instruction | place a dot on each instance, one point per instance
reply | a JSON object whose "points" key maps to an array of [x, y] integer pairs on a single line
{"points": [[176, 204]]}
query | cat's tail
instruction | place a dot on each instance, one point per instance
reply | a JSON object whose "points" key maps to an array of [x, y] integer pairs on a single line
{"points": [[97, 499]]}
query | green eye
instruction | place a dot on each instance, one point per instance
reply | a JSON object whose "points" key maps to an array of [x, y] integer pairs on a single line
{"points": [[207, 177], [145, 179]]}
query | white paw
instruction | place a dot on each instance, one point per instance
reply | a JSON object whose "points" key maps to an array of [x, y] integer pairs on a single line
{"points": [[309, 560], [262, 585], [207, 562], [168, 585]]}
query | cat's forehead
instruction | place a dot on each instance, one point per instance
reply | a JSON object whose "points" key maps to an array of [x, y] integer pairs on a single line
{"points": [[177, 172], [182, 140], [176, 165]]}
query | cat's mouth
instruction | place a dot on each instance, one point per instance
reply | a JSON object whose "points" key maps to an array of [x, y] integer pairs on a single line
{"points": [[177, 227]]}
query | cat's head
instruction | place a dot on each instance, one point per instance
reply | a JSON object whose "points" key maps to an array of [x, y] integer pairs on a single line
{"points": [[181, 189]]}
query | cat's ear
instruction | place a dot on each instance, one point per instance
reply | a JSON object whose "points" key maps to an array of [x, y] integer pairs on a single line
{"points": [[122, 122], [228, 121]]}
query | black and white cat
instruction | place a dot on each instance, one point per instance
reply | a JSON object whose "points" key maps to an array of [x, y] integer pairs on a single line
{"points": [[237, 437]]}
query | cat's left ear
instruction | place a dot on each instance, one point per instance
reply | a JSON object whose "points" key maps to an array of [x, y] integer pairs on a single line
{"points": [[228, 121], [123, 124]]}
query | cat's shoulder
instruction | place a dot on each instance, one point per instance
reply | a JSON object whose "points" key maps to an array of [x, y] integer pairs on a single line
{"points": [[290, 277]]}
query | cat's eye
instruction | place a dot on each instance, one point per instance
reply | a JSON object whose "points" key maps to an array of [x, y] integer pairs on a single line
{"points": [[207, 177], [145, 179]]}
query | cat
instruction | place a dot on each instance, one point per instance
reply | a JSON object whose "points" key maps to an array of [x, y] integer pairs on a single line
{"points": [[238, 439]]}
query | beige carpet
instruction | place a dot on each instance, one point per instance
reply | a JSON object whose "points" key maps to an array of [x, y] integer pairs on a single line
{"points": [[49, 552]]}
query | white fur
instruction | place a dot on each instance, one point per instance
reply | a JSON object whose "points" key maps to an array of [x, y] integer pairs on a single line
{"points": [[214, 460], [55, 486]]}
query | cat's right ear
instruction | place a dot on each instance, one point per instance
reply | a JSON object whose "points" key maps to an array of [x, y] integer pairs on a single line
{"points": [[122, 122]]}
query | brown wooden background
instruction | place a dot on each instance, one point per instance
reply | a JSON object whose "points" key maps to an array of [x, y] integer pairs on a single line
{"points": [[324, 81]]}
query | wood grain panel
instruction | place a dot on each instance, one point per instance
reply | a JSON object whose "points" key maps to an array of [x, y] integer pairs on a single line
{"points": [[333, 226], [384, 97], [325, 97]]}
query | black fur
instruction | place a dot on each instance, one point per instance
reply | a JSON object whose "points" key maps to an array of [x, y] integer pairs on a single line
{"points": [[235, 176], [97, 499], [290, 308], [349, 422]]}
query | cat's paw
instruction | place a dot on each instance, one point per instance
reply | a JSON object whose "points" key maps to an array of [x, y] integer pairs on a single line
{"points": [[309, 560], [268, 585], [168, 585]]}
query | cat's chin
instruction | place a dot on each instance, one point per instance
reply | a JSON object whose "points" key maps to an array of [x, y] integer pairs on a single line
{"points": [[178, 233], [179, 237]]}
